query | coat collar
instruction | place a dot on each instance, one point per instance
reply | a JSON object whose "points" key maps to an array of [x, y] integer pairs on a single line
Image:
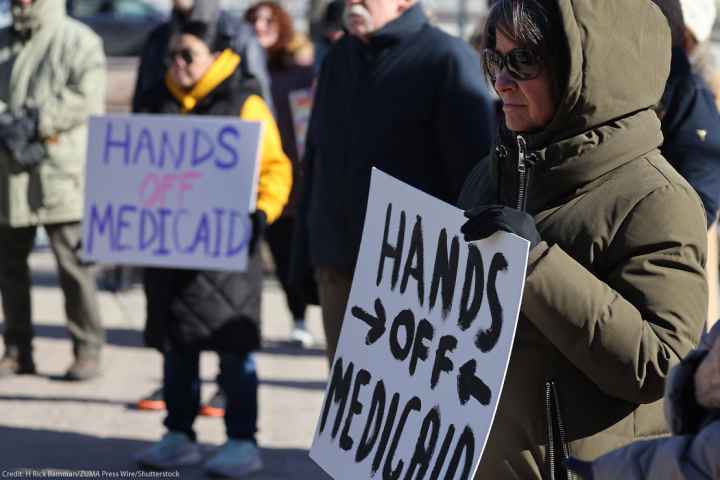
{"points": [[407, 24], [566, 168], [221, 69]]}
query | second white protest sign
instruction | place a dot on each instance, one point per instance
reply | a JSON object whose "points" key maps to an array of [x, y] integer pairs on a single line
{"points": [[170, 190], [425, 342]]}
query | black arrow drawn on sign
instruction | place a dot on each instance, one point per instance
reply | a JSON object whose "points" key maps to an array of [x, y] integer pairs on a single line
{"points": [[377, 322], [470, 385]]}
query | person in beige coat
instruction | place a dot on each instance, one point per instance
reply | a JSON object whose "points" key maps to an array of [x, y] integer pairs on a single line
{"points": [[52, 78]]}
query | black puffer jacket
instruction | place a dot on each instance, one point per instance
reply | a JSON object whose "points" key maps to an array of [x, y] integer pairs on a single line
{"points": [[200, 309]]}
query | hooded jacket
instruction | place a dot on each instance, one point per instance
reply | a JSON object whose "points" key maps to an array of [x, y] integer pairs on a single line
{"points": [[58, 67], [216, 310], [694, 451], [615, 294]]}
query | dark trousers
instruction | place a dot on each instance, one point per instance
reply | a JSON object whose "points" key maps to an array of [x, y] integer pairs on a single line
{"points": [[279, 237], [334, 291], [76, 280], [181, 391]]}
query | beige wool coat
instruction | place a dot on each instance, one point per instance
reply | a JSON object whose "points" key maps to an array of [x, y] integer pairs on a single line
{"points": [[61, 71]]}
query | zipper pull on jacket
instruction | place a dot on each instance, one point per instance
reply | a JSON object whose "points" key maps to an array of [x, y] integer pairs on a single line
{"points": [[525, 162]]}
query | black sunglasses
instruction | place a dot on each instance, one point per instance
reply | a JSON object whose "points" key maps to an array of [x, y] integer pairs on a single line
{"points": [[184, 53], [522, 64]]}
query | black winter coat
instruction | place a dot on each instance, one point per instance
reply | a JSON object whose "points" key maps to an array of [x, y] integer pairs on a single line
{"points": [[691, 127], [286, 79], [203, 309], [411, 102]]}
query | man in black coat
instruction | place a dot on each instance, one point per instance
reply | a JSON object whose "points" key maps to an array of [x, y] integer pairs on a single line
{"points": [[397, 94], [152, 67], [690, 120]]}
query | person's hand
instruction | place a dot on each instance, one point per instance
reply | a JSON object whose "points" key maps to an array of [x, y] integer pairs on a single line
{"points": [[6, 119], [707, 379], [22, 127], [485, 220], [28, 122], [259, 222], [31, 155], [19, 135]]}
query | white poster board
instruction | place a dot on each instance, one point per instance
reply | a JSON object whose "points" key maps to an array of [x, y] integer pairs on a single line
{"points": [[170, 191], [425, 343]]}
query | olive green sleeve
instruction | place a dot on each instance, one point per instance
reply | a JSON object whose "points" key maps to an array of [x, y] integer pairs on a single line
{"points": [[628, 323]]}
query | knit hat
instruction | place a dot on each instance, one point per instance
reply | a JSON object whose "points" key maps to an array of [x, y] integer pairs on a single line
{"points": [[699, 17]]}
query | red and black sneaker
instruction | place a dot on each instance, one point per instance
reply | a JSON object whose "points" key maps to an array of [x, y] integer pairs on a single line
{"points": [[154, 401], [215, 407]]}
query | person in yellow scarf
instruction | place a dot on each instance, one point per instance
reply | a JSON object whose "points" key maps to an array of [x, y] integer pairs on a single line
{"points": [[189, 310]]}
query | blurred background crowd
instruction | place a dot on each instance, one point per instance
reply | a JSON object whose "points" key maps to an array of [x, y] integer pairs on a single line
{"points": [[263, 59]]}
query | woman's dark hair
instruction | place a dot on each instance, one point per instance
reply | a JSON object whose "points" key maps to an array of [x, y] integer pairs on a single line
{"points": [[286, 31], [535, 25], [207, 33]]}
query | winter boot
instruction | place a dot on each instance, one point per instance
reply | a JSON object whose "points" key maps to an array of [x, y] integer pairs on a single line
{"points": [[86, 366], [17, 361]]}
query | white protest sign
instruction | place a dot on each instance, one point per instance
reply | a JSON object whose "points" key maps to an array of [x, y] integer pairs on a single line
{"points": [[425, 343], [170, 191]]}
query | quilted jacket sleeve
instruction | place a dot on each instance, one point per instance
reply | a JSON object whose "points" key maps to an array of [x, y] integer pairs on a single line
{"points": [[275, 179]]}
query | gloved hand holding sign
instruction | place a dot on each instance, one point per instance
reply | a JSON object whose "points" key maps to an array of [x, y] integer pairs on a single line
{"points": [[485, 220]]}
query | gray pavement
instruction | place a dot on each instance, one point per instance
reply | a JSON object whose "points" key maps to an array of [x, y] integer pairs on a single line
{"points": [[49, 424]]}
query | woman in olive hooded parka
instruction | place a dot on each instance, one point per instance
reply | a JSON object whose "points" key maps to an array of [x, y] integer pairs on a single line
{"points": [[615, 292]]}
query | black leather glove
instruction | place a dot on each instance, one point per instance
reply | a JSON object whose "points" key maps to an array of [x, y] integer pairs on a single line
{"points": [[259, 222], [19, 135], [485, 220]]}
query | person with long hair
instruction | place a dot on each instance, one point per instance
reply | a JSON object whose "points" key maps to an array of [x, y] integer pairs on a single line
{"points": [[289, 63]]}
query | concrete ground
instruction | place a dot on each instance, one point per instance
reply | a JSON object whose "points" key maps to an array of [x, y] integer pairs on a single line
{"points": [[49, 424]]}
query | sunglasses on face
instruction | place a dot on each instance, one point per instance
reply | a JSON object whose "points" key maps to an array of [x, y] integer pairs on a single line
{"points": [[184, 53], [521, 63]]}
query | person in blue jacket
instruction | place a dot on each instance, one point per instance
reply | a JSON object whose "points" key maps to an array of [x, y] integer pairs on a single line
{"points": [[690, 120]]}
